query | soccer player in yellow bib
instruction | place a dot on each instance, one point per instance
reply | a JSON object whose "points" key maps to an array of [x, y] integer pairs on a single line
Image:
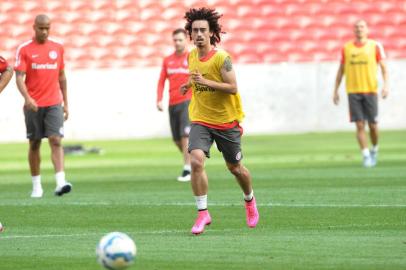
{"points": [[359, 63], [215, 112]]}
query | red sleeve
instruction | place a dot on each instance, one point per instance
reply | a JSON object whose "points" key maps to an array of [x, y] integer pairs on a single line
{"points": [[3, 64], [21, 62], [62, 59], [342, 56], [379, 53], [161, 82]]}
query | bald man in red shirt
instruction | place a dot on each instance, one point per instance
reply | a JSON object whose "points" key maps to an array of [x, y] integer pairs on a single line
{"points": [[175, 69], [41, 81], [6, 72]]}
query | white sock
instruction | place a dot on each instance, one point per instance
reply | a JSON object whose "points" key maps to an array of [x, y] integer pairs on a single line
{"points": [[36, 182], [187, 167], [374, 148], [249, 196], [60, 179], [201, 202], [365, 152]]}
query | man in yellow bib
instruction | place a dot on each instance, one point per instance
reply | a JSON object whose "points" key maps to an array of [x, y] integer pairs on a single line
{"points": [[359, 63], [215, 112]]}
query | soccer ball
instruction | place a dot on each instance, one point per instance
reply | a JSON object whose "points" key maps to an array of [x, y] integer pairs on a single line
{"points": [[116, 251]]}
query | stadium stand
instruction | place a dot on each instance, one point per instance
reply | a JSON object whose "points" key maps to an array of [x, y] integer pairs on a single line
{"points": [[127, 33]]}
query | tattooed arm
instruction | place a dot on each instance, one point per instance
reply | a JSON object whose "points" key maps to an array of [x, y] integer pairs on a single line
{"points": [[5, 77], [229, 84]]}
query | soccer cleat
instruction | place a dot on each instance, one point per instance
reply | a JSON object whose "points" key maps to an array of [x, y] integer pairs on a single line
{"points": [[252, 213], [367, 162], [37, 193], [374, 158], [202, 220], [185, 177], [66, 188]]}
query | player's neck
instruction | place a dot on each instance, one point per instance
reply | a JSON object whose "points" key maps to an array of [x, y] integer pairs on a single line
{"points": [[361, 40], [203, 51], [40, 41], [178, 53]]}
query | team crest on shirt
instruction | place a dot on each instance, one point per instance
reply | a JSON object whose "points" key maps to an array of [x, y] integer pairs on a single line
{"points": [[53, 55]]}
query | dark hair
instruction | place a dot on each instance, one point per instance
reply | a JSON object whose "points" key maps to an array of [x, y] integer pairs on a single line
{"points": [[205, 14], [178, 31]]}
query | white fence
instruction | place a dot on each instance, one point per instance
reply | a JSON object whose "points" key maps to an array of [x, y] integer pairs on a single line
{"points": [[277, 98]]}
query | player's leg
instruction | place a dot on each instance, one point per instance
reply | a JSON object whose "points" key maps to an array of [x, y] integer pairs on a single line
{"points": [[184, 130], [229, 144], [186, 173], [34, 127], [53, 123], [371, 110], [34, 160], [358, 117], [363, 143], [199, 147], [177, 136]]}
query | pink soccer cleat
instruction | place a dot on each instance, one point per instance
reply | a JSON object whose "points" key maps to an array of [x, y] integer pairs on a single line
{"points": [[252, 213], [202, 220]]}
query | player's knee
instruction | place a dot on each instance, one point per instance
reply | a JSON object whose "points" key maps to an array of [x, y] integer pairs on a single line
{"points": [[55, 141], [235, 169], [196, 161], [35, 145]]}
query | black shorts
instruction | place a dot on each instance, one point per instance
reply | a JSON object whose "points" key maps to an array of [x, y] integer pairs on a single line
{"points": [[363, 107], [46, 122], [228, 141], [179, 120]]}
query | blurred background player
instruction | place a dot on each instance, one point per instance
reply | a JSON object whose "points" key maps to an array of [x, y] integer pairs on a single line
{"points": [[41, 81], [6, 73], [359, 64], [215, 111], [175, 69]]}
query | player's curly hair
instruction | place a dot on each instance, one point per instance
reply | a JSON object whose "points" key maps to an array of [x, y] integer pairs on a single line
{"points": [[206, 14]]}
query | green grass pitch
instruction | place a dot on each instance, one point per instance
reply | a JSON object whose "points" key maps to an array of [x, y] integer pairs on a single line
{"points": [[319, 208]]}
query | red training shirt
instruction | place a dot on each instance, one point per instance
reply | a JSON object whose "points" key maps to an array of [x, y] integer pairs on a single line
{"points": [[42, 64], [174, 68], [3, 64]]}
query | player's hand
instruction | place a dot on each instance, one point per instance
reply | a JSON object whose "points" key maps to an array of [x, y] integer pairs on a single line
{"points": [[336, 98], [65, 112], [385, 92], [184, 88], [197, 77], [30, 104], [159, 106]]}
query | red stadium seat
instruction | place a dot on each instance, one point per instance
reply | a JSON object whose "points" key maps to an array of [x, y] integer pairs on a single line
{"points": [[258, 31]]}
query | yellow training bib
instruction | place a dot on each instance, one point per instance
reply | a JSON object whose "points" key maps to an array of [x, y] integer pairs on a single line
{"points": [[209, 105], [360, 67]]}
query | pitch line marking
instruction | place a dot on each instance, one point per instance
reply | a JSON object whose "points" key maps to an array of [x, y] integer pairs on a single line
{"points": [[293, 205]]}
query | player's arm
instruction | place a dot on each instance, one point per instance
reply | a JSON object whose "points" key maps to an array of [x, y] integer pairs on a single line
{"points": [[186, 86], [63, 86], [29, 103], [229, 84], [385, 89], [5, 78], [160, 88], [339, 77]]}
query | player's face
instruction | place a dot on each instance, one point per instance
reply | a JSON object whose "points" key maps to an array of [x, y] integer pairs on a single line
{"points": [[360, 29], [179, 41], [42, 31], [201, 33]]}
